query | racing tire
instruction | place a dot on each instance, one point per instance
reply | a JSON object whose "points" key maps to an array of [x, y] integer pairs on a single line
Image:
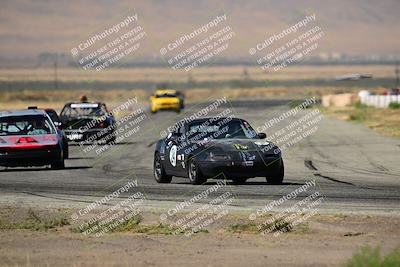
{"points": [[112, 139], [58, 165], [239, 181], [277, 176], [194, 173], [66, 152], [159, 172], [65, 149]]}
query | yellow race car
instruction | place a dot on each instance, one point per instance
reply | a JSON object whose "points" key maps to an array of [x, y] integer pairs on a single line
{"points": [[166, 99]]}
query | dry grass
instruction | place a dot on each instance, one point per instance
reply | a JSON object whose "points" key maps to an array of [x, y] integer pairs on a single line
{"points": [[33, 222], [200, 74], [385, 121]]}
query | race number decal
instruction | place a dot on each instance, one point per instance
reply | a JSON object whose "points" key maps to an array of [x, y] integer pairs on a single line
{"points": [[172, 155]]}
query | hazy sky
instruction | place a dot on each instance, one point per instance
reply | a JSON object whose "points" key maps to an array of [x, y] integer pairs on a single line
{"points": [[352, 27]]}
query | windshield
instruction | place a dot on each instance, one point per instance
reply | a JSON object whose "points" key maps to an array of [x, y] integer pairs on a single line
{"points": [[221, 129], [84, 110], [26, 125], [165, 95]]}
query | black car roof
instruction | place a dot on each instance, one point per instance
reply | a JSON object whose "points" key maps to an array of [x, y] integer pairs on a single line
{"points": [[202, 119], [218, 119], [22, 112]]}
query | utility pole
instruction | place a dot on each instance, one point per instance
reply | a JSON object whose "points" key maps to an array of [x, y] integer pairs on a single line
{"points": [[397, 72]]}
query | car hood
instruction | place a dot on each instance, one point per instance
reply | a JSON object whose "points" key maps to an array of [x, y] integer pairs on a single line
{"points": [[230, 145]]}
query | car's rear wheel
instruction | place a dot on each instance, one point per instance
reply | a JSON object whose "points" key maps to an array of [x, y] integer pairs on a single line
{"points": [[159, 172], [65, 149], [276, 177], [66, 152], [194, 173], [58, 165]]}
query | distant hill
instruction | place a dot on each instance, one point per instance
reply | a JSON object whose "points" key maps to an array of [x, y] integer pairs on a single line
{"points": [[28, 28]]}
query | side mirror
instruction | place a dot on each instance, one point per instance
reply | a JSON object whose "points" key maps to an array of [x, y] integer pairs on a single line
{"points": [[262, 135]]}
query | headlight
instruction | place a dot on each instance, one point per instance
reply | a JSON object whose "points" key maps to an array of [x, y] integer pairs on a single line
{"points": [[262, 143], [268, 148]]}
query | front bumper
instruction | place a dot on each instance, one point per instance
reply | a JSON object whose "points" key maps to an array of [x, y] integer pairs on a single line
{"points": [[240, 169], [29, 157], [166, 106], [89, 135]]}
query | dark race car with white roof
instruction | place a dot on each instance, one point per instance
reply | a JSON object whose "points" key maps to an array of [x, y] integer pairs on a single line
{"points": [[88, 122]]}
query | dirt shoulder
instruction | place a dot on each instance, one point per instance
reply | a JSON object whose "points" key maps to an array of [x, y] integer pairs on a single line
{"points": [[384, 121], [42, 238]]}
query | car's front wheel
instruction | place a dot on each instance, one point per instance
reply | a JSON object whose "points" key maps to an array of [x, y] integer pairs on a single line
{"points": [[112, 139], [159, 172], [276, 177], [194, 173]]}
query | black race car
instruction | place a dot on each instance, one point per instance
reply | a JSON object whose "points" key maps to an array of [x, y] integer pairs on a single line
{"points": [[29, 138], [88, 122], [222, 148]]}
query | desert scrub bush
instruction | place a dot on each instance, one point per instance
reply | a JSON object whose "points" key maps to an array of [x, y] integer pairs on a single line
{"points": [[296, 103], [132, 225], [34, 222], [276, 225], [371, 257], [394, 105], [109, 226], [359, 105], [243, 228]]}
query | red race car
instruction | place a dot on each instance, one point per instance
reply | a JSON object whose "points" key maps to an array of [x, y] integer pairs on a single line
{"points": [[57, 122], [29, 138]]}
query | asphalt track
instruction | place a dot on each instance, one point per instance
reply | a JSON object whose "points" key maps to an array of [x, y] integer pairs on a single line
{"points": [[354, 168]]}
